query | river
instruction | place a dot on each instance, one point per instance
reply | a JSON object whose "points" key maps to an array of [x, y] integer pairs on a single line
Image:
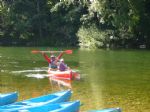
{"points": [[109, 78]]}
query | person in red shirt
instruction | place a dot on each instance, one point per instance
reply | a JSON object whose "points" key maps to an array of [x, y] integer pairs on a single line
{"points": [[53, 60]]}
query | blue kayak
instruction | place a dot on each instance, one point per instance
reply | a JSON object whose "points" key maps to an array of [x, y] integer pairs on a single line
{"points": [[8, 98], [58, 107], [57, 97], [107, 110]]}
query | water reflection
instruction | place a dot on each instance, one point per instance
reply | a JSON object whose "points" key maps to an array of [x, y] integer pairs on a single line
{"points": [[59, 83], [38, 73], [37, 70], [38, 76], [62, 83], [95, 77]]}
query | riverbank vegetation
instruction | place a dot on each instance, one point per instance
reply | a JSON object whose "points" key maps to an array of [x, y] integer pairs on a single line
{"points": [[84, 23]]}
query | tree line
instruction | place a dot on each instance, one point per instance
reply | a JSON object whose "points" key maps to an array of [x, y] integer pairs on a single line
{"points": [[83, 23]]}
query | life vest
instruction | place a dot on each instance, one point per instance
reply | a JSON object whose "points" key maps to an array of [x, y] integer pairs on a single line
{"points": [[53, 65]]}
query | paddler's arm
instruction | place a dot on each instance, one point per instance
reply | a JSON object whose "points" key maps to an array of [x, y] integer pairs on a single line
{"points": [[59, 56], [46, 58]]}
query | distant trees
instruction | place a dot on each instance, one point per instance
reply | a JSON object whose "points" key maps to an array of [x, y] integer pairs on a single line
{"points": [[115, 18], [124, 23], [87, 23]]}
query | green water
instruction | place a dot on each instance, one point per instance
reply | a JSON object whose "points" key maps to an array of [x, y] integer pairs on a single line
{"points": [[119, 78]]}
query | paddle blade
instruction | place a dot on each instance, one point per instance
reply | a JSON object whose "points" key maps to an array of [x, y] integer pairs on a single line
{"points": [[68, 51], [35, 51]]}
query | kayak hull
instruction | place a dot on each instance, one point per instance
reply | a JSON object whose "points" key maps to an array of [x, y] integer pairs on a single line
{"points": [[69, 74], [8, 98], [57, 97], [58, 107], [107, 110]]}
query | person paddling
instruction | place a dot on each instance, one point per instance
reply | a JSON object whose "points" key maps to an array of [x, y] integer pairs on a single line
{"points": [[52, 60], [62, 66]]}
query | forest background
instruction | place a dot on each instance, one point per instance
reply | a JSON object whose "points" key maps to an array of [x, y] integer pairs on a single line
{"points": [[75, 23]]}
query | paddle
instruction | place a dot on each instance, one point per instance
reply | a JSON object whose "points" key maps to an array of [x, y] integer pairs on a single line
{"points": [[38, 51]]}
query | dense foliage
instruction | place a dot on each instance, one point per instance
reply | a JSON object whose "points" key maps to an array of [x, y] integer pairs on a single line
{"points": [[87, 23]]}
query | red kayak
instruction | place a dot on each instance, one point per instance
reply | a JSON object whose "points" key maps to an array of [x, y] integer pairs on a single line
{"points": [[69, 74]]}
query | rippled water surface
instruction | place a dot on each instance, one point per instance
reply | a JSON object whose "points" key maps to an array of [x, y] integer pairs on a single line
{"points": [[118, 78]]}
